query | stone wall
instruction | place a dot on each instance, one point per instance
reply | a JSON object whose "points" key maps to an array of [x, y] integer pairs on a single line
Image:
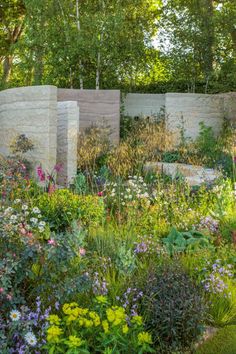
{"points": [[188, 110], [142, 104], [31, 111], [229, 106], [96, 107], [67, 136]]}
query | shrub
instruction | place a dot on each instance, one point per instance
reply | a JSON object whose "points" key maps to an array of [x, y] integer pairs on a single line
{"points": [[91, 209], [59, 209], [173, 307], [62, 207]]}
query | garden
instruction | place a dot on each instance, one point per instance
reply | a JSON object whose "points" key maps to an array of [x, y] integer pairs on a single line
{"points": [[124, 260]]}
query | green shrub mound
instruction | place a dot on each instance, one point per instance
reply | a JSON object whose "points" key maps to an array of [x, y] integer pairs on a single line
{"points": [[62, 207]]}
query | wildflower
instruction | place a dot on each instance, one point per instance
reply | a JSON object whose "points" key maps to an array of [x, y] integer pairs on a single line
{"points": [[105, 326], [52, 242], [15, 315], [34, 220], [36, 210], [30, 339], [24, 207], [13, 217], [116, 315], [9, 297], [42, 223], [74, 342], [53, 333], [101, 299], [137, 320], [1, 290], [125, 329], [54, 319], [144, 338], [41, 229], [100, 194], [96, 319], [41, 174]]}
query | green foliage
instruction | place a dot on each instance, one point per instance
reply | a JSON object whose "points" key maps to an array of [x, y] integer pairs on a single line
{"points": [[59, 208], [62, 207], [174, 308], [90, 210], [101, 328], [177, 242], [223, 342]]}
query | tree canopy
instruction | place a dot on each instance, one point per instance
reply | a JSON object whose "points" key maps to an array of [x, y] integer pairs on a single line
{"points": [[109, 44]]}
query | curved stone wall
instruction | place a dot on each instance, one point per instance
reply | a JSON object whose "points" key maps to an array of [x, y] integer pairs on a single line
{"points": [[31, 111]]}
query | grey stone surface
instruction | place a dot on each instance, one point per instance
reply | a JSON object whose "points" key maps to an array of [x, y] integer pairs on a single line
{"points": [[143, 104], [229, 106], [191, 109], [31, 111], [194, 175], [67, 135], [96, 107]]}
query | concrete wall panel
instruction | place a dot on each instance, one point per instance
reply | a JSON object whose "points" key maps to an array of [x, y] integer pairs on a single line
{"points": [[191, 109], [96, 107], [67, 136], [142, 104], [31, 111]]}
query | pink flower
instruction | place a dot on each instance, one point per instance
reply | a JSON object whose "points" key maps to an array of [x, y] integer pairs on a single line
{"points": [[1, 290], [100, 194], [52, 242], [40, 174], [82, 251], [23, 231], [58, 167], [9, 297], [29, 233]]}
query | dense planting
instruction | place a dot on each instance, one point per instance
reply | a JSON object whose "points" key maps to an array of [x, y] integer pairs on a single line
{"points": [[123, 260]]}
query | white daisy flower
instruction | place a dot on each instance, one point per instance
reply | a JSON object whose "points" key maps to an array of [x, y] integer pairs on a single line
{"points": [[8, 210], [17, 201], [41, 229], [36, 210], [31, 339], [42, 223], [24, 207], [13, 217], [15, 315], [34, 220]]}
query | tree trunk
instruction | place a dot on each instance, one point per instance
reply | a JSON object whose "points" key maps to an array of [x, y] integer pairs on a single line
{"points": [[80, 62], [38, 67], [7, 66]]}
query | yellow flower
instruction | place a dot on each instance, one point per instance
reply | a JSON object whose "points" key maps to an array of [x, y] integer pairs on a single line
{"points": [[96, 319], [74, 342], [67, 308], [101, 299], [105, 326], [125, 329], [144, 338], [53, 333], [88, 323], [116, 315], [54, 319], [137, 320]]}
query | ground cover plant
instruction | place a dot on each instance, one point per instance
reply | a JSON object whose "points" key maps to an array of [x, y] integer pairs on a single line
{"points": [[123, 260]]}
